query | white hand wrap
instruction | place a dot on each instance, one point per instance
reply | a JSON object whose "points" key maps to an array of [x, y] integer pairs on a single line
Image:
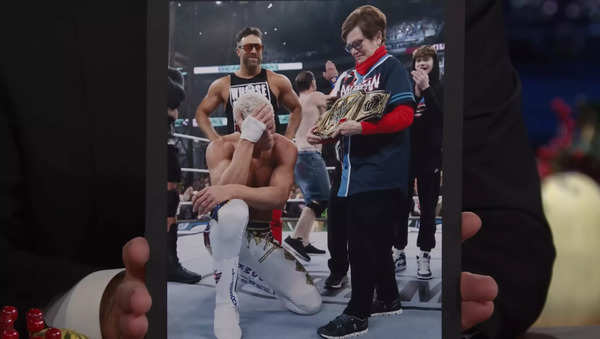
{"points": [[252, 129]]}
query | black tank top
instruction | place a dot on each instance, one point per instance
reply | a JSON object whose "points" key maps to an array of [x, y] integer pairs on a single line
{"points": [[239, 86]]}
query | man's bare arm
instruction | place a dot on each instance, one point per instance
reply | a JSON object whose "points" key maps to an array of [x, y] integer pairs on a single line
{"points": [[229, 166], [209, 104], [265, 198], [320, 101], [289, 100], [276, 194]]}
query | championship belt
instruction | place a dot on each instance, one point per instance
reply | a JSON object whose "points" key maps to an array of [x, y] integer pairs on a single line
{"points": [[356, 106]]}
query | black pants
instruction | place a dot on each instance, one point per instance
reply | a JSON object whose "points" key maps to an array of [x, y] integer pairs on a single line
{"points": [[427, 174], [371, 218], [337, 233]]}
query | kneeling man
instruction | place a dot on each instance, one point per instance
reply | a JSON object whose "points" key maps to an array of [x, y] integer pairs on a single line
{"points": [[251, 173]]}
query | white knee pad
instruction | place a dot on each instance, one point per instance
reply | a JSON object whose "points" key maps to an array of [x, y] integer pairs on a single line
{"points": [[227, 231], [281, 271]]}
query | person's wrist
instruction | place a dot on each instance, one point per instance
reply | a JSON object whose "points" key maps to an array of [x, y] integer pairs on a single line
{"points": [[359, 128], [228, 192], [246, 142], [108, 300]]}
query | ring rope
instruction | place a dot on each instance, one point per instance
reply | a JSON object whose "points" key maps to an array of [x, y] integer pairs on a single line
{"points": [[194, 170], [191, 137], [198, 139]]}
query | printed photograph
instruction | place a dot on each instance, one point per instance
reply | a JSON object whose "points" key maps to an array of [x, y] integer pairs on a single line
{"points": [[304, 169]]}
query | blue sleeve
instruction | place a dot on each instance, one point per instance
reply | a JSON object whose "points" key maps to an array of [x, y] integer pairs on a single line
{"points": [[399, 86]]}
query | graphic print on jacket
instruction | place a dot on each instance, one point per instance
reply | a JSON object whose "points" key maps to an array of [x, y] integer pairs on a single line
{"points": [[362, 156]]}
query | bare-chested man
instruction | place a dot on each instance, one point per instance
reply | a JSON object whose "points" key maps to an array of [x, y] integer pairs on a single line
{"points": [[251, 77], [310, 171], [251, 174]]}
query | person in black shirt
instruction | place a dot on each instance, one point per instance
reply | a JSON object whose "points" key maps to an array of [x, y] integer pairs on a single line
{"points": [[425, 160], [500, 183], [175, 95], [250, 77]]}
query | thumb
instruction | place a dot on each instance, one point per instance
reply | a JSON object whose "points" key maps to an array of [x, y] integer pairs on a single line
{"points": [[136, 253], [471, 223]]}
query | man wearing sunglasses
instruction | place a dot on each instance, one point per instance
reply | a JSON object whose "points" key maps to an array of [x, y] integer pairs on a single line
{"points": [[251, 77]]}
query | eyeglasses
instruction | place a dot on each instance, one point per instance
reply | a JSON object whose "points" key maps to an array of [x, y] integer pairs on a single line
{"points": [[357, 45], [249, 47]]}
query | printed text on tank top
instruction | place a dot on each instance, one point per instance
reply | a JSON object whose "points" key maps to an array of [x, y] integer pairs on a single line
{"points": [[239, 86]]}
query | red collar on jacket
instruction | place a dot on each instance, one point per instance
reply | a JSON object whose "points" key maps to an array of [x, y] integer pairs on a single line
{"points": [[363, 67]]}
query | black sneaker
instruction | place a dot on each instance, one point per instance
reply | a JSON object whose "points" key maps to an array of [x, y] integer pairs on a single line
{"points": [[180, 274], [310, 249], [176, 272], [335, 281], [379, 307], [344, 326], [296, 247]]}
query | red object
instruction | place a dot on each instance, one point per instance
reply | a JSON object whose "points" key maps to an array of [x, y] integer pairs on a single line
{"points": [[562, 109], [10, 334], [35, 325], [6, 322], [561, 142], [11, 311], [53, 333], [34, 313], [364, 66], [276, 225], [564, 113], [398, 119], [34, 320]]}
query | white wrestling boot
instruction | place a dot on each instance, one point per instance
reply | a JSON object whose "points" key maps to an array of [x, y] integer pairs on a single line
{"points": [[227, 315]]}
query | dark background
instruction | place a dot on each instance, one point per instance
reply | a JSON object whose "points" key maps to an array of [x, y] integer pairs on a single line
{"points": [[555, 46]]}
